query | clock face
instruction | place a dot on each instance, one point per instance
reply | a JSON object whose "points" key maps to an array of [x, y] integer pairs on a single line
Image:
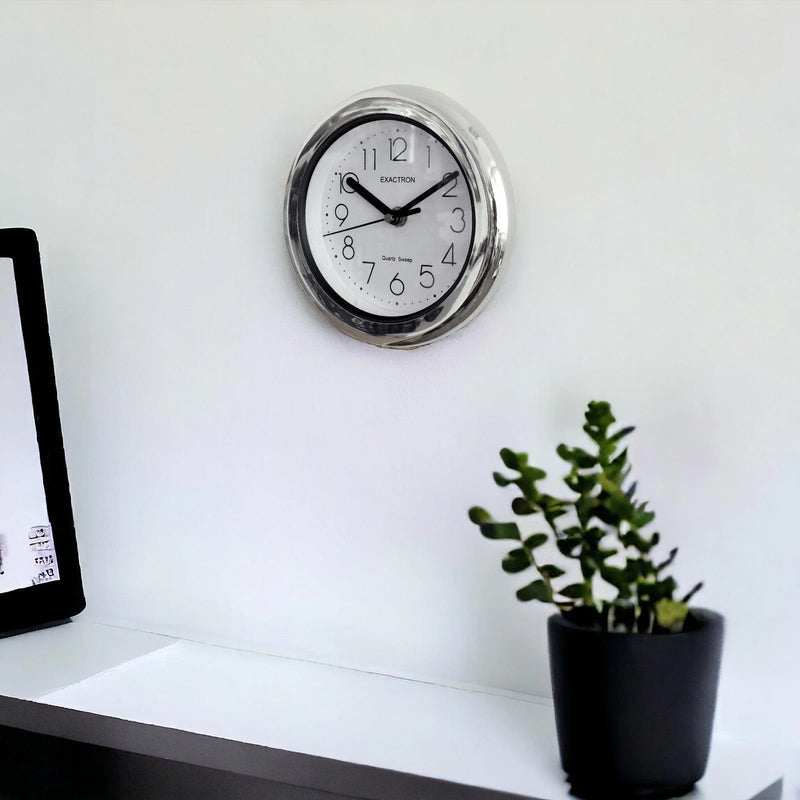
{"points": [[388, 217]]}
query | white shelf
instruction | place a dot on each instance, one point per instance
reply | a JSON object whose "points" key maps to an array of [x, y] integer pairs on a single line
{"points": [[40, 662], [302, 723]]}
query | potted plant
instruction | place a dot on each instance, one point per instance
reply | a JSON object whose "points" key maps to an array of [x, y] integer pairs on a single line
{"points": [[634, 669]]}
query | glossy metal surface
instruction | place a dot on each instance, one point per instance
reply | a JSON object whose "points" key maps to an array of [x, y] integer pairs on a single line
{"points": [[492, 195]]}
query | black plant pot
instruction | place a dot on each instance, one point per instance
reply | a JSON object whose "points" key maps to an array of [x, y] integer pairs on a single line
{"points": [[634, 712]]}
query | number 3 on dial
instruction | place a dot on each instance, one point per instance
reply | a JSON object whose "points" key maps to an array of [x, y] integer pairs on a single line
{"points": [[398, 213]]}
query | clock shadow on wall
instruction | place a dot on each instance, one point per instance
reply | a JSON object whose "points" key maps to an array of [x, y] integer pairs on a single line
{"points": [[398, 216]]}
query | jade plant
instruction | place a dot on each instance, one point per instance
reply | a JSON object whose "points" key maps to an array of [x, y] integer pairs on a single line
{"points": [[600, 529]]}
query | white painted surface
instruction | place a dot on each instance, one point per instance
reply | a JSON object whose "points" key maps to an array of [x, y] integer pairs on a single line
{"points": [[491, 740], [470, 737], [40, 662], [243, 473]]}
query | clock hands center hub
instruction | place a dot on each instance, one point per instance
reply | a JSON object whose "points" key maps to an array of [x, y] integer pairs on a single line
{"points": [[398, 218]]}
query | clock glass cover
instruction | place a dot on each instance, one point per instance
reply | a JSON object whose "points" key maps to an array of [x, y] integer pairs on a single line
{"points": [[376, 245], [397, 216]]}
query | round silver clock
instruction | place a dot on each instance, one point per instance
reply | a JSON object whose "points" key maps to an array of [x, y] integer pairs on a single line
{"points": [[398, 215]]}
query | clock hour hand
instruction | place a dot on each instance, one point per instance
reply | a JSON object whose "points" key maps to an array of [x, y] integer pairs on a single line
{"points": [[407, 208], [389, 215], [368, 196]]}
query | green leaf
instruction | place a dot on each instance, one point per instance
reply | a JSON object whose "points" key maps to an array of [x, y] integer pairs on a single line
{"points": [[605, 450], [527, 485], [479, 515], [582, 459], [501, 479], [604, 515], [527, 481], [622, 458], [593, 433], [575, 591], [636, 568], [654, 540], [658, 590], [615, 471], [585, 507], [553, 507], [664, 564], [615, 576], [594, 535], [551, 571], [641, 517], [516, 560], [671, 614], [538, 590], [598, 415], [534, 473], [567, 547], [513, 460], [536, 540], [622, 433], [552, 514], [631, 538], [581, 484], [696, 588], [614, 500], [519, 505], [577, 456], [550, 503], [588, 565], [500, 530], [564, 452]]}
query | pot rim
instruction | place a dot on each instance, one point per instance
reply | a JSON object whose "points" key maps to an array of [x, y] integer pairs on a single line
{"points": [[704, 617]]}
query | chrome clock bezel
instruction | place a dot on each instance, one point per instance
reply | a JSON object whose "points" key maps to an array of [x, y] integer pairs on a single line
{"points": [[490, 188]]}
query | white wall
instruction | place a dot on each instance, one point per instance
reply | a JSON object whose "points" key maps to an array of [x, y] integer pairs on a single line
{"points": [[242, 472]]}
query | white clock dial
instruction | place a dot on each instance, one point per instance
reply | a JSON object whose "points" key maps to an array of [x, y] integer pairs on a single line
{"points": [[389, 217]]}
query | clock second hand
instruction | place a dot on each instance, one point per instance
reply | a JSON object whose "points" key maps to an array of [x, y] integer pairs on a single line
{"points": [[372, 222], [353, 227]]}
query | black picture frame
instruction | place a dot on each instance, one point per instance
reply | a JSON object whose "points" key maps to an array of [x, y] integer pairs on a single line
{"points": [[56, 601]]}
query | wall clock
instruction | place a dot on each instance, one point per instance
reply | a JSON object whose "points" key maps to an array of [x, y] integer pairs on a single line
{"points": [[398, 214]]}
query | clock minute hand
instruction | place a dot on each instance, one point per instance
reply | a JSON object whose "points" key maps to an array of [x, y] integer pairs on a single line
{"points": [[406, 209]]}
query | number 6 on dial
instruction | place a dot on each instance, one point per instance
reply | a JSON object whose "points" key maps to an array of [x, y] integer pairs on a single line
{"points": [[398, 216]]}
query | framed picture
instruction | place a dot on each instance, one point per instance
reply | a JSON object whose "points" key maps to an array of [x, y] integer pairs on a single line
{"points": [[40, 580]]}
